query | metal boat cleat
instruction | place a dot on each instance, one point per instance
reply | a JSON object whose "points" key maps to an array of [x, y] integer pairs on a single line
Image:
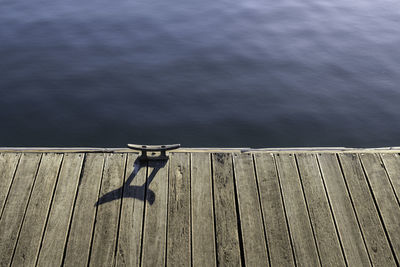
{"points": [[158, 152]]}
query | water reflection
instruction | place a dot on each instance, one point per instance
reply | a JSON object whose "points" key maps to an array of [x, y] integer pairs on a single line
{"points": [[213, 73]]}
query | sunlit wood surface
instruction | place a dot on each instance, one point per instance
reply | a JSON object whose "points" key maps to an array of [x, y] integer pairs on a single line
{"points": [[201, 208]]}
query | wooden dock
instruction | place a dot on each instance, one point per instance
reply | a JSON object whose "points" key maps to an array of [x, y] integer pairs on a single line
{"points": [[202, 207]]}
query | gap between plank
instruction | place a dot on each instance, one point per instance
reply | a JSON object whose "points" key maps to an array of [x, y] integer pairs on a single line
{"points": [[379, 212], [331, 209], [26, 207], [308, 211], [105, 160], [12, 181], [284, 209], [354, 209], [239, 224], [50, 206], [73, 207], [261, 208]]}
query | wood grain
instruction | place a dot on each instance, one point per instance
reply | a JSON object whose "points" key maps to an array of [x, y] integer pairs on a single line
{"points": [[252, 207], [108, 211], [385, 198], [226, 226], [320, 213], [38, 208], [392, 165], [8, 165], [344, 215], [130, 231], [80, 234], [254, 245], [368, 217], [203, 232], [15, 206], [155, 221], [178, 227], [278, 239], [51, 252], [305, 249]]}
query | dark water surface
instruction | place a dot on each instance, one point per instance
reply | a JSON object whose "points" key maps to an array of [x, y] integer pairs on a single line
{"points": [[249, 73]]}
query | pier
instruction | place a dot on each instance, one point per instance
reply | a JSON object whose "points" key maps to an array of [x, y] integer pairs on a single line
{"points": [[200, 207]]}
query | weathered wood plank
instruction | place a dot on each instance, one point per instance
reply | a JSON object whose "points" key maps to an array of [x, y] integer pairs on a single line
{"points": [[385, 198], [279, 247], [226, 222], [344, 215], [8, 165], [392, 165], [178, 226], [254, 244], [204, 149], [203, 233], [155, 221], [108, 211], [133, 197], [52, 249], [305, 249], [373, 232], [205, 219], [38, 208], [80, 235], [321, 217], [15, 206]]}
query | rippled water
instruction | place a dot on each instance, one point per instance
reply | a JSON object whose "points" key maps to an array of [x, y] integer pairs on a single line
{"points": [[248, 73]]}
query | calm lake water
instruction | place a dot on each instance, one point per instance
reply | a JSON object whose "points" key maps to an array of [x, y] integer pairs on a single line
{"points": [[248, 73]]}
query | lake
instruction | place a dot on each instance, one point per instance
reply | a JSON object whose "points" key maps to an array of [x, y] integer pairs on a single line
{"points": [[248, 73]]}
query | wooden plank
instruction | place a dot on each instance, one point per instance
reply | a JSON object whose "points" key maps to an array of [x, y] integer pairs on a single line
{"points": [[38, 208], [8, 165], [178, 226], [373, 232], [108, 211], [301, 232], [226, 222], [15, 206], [385, 198], [392, 165], [319, 210], [204, 149], [203, 232], [344, 215], [254, 244], [52, 249], [80, 235], [155, 221], [130, 231], [279, 247]]}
